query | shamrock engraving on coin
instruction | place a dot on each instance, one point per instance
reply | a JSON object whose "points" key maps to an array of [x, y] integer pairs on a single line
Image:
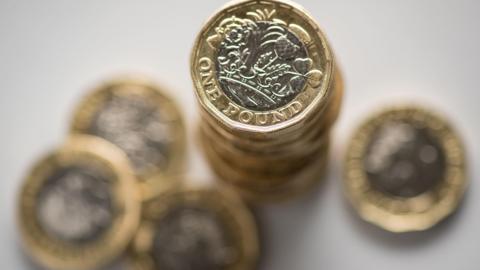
{"points": [[79, 206], [405, 169], [261, 66], [138, 118], [187, 227]]}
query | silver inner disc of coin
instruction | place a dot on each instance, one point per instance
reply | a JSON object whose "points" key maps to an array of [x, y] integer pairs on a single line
{"points": [[189, 238], [261, 65], [404, 160], [75, 205], [138, 127]]}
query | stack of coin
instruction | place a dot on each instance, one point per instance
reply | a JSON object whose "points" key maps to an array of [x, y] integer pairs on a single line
{"points": [[405, 169], [269, 92]]}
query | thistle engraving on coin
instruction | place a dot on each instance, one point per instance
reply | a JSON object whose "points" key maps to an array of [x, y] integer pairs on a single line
{"points": [[404, 160], [138, 127], [261, 63], [191, 238], [75, 205]]}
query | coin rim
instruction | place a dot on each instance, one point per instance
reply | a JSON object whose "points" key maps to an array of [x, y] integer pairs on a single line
{"points": [[208, 196], [117, 237], [311, 108], [453, 187], [91, 101]]}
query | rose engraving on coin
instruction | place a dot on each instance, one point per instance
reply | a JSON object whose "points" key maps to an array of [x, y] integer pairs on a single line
{"points": [[138, 127], [192, 238], [261, 64], [404, 160], [75, 205]]}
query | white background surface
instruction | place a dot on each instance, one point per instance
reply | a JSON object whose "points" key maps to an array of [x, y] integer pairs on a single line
{"points": [[51, 52]]}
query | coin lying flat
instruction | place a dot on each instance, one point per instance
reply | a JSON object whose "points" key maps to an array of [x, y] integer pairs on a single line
{"points": [[140, 119], [405, 169], [79, 208], [195, 228]]}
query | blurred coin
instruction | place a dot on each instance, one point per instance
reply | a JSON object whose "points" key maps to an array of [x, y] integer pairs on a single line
{"points": [[140, 119], [195, 228], [79, 206], [405, 169]]}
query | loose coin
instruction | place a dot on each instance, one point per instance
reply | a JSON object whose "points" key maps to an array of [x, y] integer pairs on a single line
{"points": [[405, 169], [79, 206], [190, 227], [140, 119]]}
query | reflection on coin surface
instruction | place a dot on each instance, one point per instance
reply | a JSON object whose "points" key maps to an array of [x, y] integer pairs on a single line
{"points": [[192, 238], [404, 160], [195, 228], [139, 119], [259, 65], [79, 206], [75, 204], [405, 169]]}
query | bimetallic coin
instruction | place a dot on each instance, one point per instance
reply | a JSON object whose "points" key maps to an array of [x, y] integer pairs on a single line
{"points": [[79, 207], [195, 228], [262, 66], [138, 118], [405, 169]]}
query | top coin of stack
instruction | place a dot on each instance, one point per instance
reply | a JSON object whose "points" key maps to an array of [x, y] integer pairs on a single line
{"points": [[269, 92]]}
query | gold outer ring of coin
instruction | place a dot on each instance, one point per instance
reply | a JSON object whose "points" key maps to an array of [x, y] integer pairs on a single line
{"points": [[142, 86], [212, 99], [323, 119], [406, 214], [298, 184], [56, 254], [295, 142], [283, 161], [299, 145], [221, 199], [229, 171]]}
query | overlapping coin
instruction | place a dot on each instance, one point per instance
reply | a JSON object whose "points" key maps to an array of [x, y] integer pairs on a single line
{"points": [[192, 227], [79, 206], [141, 119], [405, 169], [269, 92]]}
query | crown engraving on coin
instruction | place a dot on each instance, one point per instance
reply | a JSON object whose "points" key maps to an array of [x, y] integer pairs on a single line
{"points": [[262, 62]]}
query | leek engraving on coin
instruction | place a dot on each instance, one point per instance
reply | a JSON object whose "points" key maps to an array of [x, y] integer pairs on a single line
{"points": [[261, 64], [138, 127], [404, 160], [75, 205], [191, 238]]}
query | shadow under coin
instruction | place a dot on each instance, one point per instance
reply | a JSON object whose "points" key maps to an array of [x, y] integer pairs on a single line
{"points": [[407, 240]]}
